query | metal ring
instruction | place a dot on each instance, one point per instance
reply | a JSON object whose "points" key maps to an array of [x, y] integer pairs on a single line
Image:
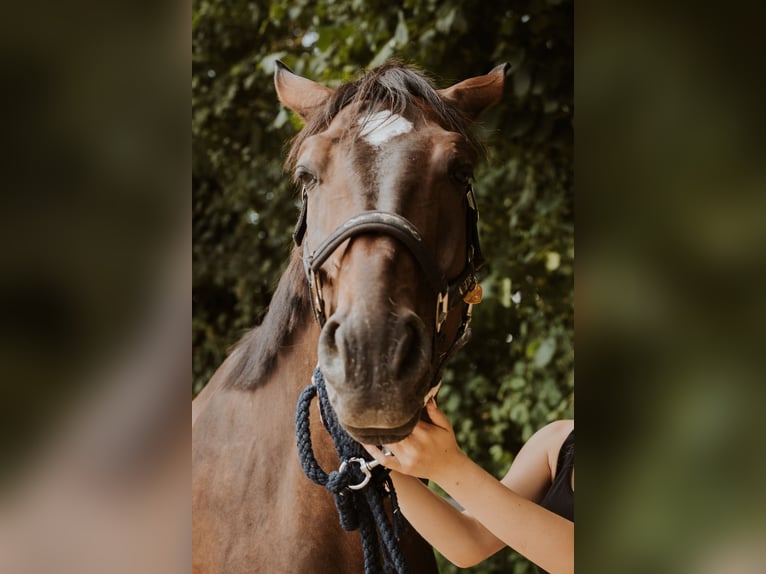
{"points": [[364, 466]]}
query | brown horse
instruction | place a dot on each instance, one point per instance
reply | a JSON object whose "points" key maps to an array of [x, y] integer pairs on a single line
{"points": [[386, 254]]}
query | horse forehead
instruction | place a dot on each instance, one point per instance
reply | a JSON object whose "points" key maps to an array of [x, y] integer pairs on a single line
{"points": [[379, 127], [392, 143]]}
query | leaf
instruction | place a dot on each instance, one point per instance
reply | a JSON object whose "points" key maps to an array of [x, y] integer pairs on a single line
{"points": [[522, 81], [517, 383], [401, 36], [552, 260], [267, 63], [281, 118], [519, 413], [445, 20], [384, 54], [544, 352]]}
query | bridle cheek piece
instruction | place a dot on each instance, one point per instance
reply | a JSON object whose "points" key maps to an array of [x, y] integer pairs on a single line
{"points": [[463, 288]]}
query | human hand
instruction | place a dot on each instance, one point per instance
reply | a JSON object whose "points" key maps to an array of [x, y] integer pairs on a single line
{"points": [[428, 452]]}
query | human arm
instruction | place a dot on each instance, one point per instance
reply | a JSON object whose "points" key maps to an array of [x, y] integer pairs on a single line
{"points": [[457, 535], [501, 513]]}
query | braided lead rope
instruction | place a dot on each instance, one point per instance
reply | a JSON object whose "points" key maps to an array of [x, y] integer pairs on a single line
{"points": [[357, 487]]}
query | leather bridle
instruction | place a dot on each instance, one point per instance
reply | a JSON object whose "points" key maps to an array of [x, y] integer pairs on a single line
{"points": [[463, 288]]}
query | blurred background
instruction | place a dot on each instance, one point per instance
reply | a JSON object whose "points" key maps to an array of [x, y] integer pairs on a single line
{"points": [[518, 374], [671, 203], [94, 288]]}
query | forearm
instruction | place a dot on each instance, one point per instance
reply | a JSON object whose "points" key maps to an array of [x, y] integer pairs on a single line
{"points": [[540, 535], [459, 537]]}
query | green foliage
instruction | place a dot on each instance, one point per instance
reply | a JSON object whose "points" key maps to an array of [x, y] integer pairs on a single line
{"points": [[518, 374]]}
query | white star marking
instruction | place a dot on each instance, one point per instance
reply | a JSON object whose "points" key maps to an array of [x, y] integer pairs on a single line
{"points": [[380, 127]]}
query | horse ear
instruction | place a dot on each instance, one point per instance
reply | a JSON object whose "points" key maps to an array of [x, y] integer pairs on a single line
{"points": [[474, 95], [297, 93]]}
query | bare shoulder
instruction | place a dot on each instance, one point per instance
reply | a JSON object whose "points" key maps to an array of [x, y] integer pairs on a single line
{"points": [[552, 434], [557, 429], [550, 438], [534, 466]]}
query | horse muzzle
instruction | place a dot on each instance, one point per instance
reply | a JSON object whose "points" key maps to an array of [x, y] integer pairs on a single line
{"points": [[376, 377]]}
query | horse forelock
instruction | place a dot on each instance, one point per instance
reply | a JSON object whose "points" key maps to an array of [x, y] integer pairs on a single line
{"points": [[289, 310], [392, 87]]}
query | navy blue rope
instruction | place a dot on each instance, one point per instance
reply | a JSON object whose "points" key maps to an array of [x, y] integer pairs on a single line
{"points": [[357, 509]]}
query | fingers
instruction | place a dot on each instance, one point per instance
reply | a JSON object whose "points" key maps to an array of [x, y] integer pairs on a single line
{"points": [[387, 461], [374, 452], [437, 416]]}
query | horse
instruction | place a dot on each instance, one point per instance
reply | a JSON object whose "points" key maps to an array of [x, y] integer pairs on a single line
{"points": [[377, 292]]}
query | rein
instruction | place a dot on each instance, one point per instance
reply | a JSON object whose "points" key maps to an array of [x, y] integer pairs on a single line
{"points": [[359, 486]]}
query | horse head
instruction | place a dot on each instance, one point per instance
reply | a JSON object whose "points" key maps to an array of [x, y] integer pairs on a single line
{"points": [[388, 233]]}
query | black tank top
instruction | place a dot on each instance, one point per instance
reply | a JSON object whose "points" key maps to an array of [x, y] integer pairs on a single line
{"points": [[560, 497]]}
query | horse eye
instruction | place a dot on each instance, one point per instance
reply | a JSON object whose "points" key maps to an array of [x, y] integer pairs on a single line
{"points": [[462, 174], [305, 177]]}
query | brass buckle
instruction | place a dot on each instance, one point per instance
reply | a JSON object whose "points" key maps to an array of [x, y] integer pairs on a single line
{"points": [[442, 309]]}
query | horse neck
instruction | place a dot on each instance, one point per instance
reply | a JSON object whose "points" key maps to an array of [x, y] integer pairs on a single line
{"points": [[297, 359], [292, 371], [295, 367]]}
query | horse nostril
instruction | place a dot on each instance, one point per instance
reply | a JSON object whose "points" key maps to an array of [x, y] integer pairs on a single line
{"points": [[329, 336], [410, 348], [331, 349]]}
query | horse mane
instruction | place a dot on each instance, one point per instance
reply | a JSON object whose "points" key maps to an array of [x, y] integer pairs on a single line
{"points": [[392, 86], [256, 353]]}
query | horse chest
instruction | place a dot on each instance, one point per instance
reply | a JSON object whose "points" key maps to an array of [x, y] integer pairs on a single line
{"points": [[253, 509]]}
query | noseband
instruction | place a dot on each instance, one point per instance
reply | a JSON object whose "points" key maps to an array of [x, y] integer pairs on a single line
{"points": [[463, 288]]}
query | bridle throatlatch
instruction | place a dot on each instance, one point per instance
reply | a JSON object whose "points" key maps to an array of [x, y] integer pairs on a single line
{"points": [[359, 486]]}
